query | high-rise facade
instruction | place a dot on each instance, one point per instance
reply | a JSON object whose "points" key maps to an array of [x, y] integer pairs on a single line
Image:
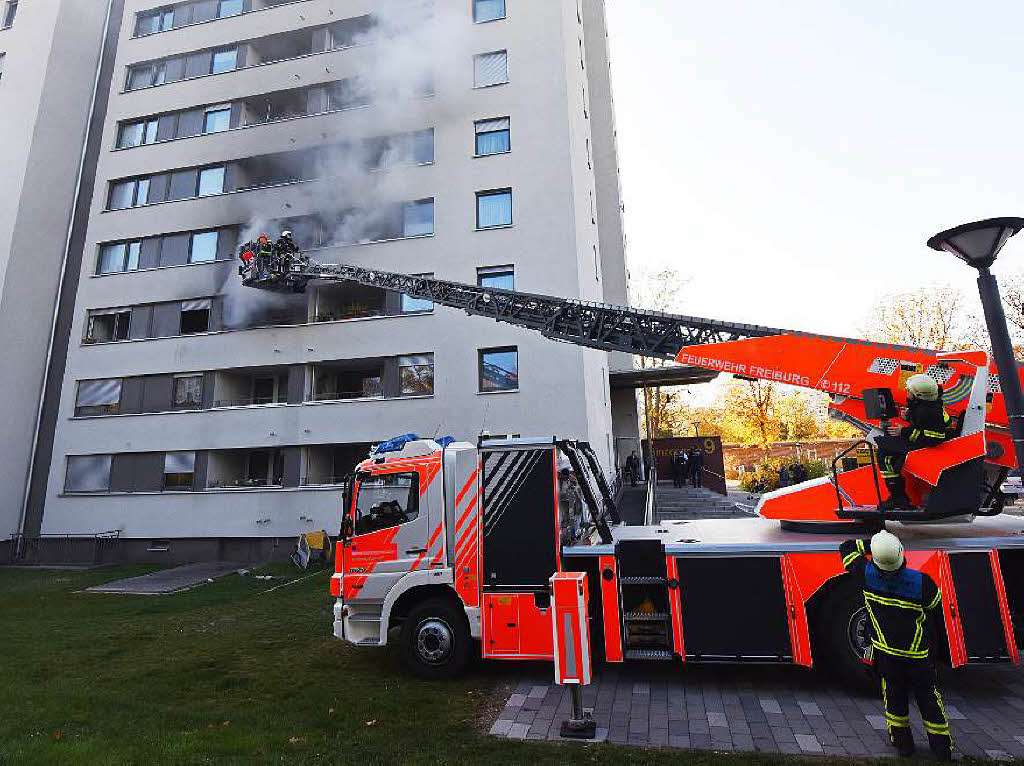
{"points": [[49, 53], [470, 139]]}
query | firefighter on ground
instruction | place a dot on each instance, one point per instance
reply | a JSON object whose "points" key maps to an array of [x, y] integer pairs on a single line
{"points": [[929, 425], [899, 601]]}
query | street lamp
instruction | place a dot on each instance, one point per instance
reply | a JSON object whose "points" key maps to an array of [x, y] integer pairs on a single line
{"points": [[978, 244]]}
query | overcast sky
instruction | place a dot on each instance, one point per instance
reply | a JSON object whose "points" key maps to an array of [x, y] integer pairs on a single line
{"points": [[791, 157]]}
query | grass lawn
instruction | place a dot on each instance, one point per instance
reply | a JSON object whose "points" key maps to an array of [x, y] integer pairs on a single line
{"points": [[230, 673]]}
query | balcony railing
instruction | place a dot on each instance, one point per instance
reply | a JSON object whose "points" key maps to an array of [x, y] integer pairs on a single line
{"points": [[333, 396], [244, 483]]}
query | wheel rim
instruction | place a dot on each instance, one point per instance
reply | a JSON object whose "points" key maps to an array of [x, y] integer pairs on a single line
{"points": [[434, 641], [857, 632]]}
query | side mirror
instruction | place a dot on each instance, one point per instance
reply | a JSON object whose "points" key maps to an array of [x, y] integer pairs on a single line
{"points": [[879, 404]]}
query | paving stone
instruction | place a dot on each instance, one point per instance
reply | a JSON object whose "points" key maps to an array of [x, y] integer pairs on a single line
{"points": [[518, 731], [877, 722], [516, 700], [999, 755], [501, 727], [717, 719], [678, 741], [954, 714], [770, 706], [642, 688], [810, 708]]}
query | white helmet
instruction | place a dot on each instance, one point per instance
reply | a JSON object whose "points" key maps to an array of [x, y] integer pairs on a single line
{"points": [[923, 387], [887, 551], [286, 233]]}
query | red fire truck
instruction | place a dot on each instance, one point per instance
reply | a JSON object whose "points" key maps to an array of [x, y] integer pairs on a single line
{"points": [[452, 544]]}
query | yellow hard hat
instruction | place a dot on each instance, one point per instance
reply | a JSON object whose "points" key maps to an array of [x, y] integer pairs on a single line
{"points": [[887, 551], [923, 387]]}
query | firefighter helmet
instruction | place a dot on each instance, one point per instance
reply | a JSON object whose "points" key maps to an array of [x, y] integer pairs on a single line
{"points": [[263, 238], [287, 234], [887, 551], [923, 387]]}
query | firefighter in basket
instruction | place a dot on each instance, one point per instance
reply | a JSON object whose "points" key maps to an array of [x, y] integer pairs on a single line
{"points": [[929, 425]]}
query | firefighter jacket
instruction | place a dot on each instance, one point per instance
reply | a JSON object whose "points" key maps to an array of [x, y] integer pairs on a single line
{"points": [[898, 603], [930, 424]]}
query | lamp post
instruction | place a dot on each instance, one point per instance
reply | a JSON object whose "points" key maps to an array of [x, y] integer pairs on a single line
{"points": [[978, 244]]}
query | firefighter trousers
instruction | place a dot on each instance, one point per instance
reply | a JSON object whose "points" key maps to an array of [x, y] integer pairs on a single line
{"points": [[900, 676]]}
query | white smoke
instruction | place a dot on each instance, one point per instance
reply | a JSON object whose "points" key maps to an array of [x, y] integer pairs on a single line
{"points": [[414, 47]]}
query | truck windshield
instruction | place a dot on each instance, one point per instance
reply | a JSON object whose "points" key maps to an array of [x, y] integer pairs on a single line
{"points": [[386, 501]]}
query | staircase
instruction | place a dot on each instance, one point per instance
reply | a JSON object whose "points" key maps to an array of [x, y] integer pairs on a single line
{"points": [[694, 503]]}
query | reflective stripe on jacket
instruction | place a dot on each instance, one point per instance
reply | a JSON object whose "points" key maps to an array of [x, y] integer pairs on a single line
{"points": [[898, 603]]}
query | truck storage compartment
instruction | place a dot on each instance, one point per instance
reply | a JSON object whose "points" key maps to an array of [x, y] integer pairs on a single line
{"points": [[518, 511], [976, 597], [643, 589], [734, 609], [518, 625]]}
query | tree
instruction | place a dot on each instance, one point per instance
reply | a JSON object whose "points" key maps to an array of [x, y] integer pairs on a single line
{"points": [[752, 403], [660, 291], [930, 317]]}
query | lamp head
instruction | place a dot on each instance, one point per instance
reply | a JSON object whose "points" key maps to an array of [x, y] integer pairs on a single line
{"points": [[977, 243]]}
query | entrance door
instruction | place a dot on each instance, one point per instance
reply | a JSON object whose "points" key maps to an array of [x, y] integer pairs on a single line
{"points": [[390, 519]]}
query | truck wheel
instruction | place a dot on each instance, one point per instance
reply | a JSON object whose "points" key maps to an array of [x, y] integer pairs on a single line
{"points": [[843, 633], [435, 640]]}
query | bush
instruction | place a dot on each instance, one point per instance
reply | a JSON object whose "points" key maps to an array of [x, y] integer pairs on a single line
{"points": [[766, 476]]}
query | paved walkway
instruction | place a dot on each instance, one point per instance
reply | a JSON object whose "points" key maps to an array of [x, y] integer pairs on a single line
{"points": [[169, 580], [768, 709]]}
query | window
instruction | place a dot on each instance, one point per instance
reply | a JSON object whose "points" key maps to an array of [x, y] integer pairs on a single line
{"points": [[224, 60], [10, 11], [411, 305], [147, 75], [87, 473], [416, 375], [488, 10], [418, 218], [195, 316], [386, 501], [187, 393], [218, 118], [137, 133], [98, 397], [227, 8], [130, 193], [211, 181], [154, 21], [493, 136], [118, 257], [3, 58], [109, 325], [499, 369], [502, 277], [179, 470], [203, 247], [490, 69], [493, 208], [423, 147]]}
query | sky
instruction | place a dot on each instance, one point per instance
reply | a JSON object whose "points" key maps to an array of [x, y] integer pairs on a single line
{"points": [[790, 158]]}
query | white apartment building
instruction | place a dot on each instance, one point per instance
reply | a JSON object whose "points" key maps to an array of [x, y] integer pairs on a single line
{"points": [[49, 53], [469, 139]]}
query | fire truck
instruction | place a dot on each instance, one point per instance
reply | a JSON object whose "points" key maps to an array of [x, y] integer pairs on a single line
{"points": [[451, 544]]}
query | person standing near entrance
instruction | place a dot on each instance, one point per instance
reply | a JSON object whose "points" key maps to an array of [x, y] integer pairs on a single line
{"points": [[899, 601], [696, 467], [632, 468], [679, 468]]}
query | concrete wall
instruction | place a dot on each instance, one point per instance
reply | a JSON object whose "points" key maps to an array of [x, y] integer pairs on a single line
{"points": [[563, 389], [52, 54]]}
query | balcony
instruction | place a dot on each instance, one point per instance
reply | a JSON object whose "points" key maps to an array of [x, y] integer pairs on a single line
{"points": [[331, 464], [349, 379], [245, 468], [251, 387]]}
